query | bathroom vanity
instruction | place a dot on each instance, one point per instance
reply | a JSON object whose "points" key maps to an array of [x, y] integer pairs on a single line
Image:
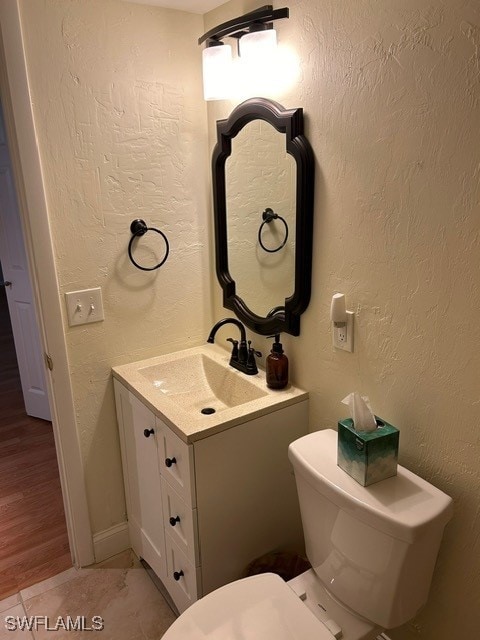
{"points": [[208, 492]]}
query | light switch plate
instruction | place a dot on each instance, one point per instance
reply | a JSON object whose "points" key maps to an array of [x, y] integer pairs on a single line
{"points": [[84, 306]]}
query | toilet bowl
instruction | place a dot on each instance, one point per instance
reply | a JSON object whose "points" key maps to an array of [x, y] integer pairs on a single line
{"points": [[372, 551]]}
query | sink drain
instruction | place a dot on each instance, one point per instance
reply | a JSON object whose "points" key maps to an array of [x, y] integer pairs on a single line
{"points": [[207, 411]]}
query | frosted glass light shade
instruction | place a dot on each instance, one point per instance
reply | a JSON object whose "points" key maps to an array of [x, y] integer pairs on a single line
{"points": [[258, 45], [217, 61]]}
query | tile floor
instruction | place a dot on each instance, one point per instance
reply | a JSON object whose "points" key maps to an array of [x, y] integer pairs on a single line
{"points": [[118, 590]]}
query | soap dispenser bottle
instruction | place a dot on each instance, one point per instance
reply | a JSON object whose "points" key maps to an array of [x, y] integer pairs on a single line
{"points": [[277, 366]]}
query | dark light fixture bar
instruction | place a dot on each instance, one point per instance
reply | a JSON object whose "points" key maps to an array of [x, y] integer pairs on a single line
{"points": [[260, 18]]}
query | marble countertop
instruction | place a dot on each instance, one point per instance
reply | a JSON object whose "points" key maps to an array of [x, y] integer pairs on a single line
{"points": [[179, 410]]}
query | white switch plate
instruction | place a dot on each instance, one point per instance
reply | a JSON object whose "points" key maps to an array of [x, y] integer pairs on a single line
{"points": [[84, 306], [343, 336]]}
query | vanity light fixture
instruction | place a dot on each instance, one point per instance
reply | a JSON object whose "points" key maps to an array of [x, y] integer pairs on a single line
{"points": [[258, 44], [257, 40], [217, 61]]}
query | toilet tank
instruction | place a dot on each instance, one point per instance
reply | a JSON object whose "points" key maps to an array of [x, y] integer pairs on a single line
{"points": [[374, 548]]}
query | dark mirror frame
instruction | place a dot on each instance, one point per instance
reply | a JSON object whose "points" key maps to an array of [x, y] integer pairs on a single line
{"points": [[289, 122]]}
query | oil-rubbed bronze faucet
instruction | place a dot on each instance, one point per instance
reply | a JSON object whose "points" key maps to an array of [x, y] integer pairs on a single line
{"points": [[242, 357]]}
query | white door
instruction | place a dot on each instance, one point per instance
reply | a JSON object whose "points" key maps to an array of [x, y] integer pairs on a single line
{"points": [[16, 280]]}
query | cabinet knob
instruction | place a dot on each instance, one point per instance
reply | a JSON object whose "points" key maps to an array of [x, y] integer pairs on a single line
{"points": [[177, 575], [170, 461], [148, 432], [173, 521]]}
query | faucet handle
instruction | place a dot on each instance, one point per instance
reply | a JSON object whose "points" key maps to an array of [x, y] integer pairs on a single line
{"points": [[252, 351], [251, 362], [234, 356]]}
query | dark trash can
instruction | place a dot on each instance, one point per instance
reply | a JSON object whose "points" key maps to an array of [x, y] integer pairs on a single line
{"points": [[285, 564]]}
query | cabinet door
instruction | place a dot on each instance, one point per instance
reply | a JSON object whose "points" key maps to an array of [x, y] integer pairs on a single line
{"points": [[142, 480]]}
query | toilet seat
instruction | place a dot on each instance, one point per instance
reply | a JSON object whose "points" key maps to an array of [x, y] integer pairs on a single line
{"points": [[261, 607]]}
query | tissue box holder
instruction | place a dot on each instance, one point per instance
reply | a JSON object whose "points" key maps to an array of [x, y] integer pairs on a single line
{"points": [[368, 457]]}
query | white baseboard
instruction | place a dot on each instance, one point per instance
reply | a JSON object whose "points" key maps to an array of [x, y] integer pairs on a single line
{"points": [[111, 541]]}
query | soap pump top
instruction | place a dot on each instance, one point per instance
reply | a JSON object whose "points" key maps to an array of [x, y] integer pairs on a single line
{"points": [[277, 346], [277, 365]]}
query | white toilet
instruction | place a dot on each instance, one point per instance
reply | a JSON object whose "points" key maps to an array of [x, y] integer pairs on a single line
{"points": [[372, 550]]}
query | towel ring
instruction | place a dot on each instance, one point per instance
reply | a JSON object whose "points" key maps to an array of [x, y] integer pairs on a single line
{"points": [[139, 228], [268, 215]]}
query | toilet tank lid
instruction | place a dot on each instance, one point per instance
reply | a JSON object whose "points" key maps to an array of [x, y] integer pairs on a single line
{"points": [[404, 506]]}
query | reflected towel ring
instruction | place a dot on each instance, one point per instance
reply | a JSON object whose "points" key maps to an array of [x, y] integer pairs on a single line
{"points": [[268, 215], [139, 228]]}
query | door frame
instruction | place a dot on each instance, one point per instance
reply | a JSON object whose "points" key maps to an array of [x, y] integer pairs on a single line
{"points": [[27, 169]]}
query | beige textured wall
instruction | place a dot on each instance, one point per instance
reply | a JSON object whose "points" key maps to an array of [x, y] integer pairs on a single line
{"points": [[117, 101], [391, 97], [392, 103]]}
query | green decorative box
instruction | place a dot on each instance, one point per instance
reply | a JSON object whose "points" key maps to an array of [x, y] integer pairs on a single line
{"points": [[368, 456]]}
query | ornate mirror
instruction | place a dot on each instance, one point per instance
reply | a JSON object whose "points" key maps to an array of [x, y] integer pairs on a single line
{"points": [[263, 180]]}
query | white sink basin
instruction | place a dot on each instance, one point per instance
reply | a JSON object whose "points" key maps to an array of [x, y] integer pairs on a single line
{"points": [[178, 386], [201, 383]]}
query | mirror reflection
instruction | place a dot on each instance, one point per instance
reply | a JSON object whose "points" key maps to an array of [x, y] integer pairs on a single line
{"points": [[261, 177]]}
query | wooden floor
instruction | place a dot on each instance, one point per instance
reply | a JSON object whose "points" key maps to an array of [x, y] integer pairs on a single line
{"points": [[33, 534]]}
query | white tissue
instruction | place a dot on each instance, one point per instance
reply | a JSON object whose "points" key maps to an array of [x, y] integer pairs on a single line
{"points": [[361, 412]]}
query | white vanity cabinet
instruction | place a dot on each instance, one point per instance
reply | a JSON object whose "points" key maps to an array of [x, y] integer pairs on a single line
{"points": [[200, 510]]}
